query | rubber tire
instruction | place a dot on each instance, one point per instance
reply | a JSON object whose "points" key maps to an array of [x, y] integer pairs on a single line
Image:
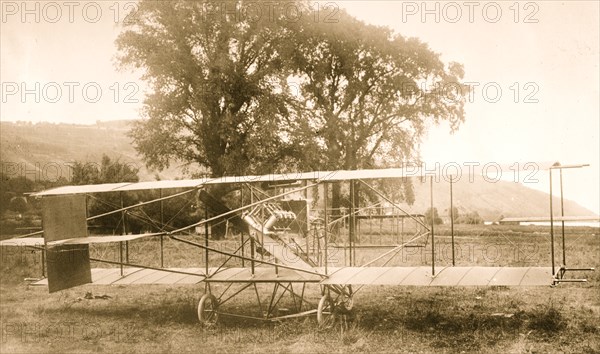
{"points": [[325, 314], [208, 300]]}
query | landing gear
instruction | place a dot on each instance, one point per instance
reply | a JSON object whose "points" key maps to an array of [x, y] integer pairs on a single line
{"points": [[207, 309], [345, 299], [325, 312], [330, 307]]}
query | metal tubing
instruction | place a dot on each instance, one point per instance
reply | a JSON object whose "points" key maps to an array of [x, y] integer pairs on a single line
{"points": [[224, 292], [241, 233], [43, 262], [302, 297], [262, 233], [242, 316], [579, 269], [124, 227], [351, 227], [271, 301], [238, 256], [145, 267], [395, 249], [252, 247], [234, 294], [252, 242], [452, 222], [432, 216], [122, 214], [140, 204], [280, 296], [294, 315], [124, 233], [393, 204], [293, 297], [31, 234], [243, 242], [162, 227], [358, 209], [317, 247], [257, 296], [562, 214], [326, 219], [562, 167], [206, 237], [551, 225], [227, 260], [121, 256], [304, 184]]}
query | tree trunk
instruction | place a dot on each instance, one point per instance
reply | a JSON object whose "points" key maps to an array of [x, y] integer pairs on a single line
{"points": [[218, 226], [336, 203], [355, 202]]}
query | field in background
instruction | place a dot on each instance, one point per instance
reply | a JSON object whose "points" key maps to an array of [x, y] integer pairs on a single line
{"points": [[388, 319]]}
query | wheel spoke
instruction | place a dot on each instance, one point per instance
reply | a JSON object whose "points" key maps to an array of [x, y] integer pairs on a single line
{"points": [[325, 312], [207, 309]]}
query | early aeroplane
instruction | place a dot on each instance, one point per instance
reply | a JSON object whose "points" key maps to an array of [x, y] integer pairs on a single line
{"points": [[282, 242]]}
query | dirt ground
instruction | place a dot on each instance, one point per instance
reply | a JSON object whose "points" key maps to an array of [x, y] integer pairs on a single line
{"points": [[148, 319]]}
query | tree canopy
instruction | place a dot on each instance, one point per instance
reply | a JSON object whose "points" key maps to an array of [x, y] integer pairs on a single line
{"points": [[369, 94], [219, 97], [222, 95], [108, 171]]}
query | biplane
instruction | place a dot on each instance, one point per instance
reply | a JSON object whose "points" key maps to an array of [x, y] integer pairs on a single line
{"points": [[282, 240]]}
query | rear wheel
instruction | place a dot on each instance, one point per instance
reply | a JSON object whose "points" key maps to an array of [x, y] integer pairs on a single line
{"points": [[207, 309]]}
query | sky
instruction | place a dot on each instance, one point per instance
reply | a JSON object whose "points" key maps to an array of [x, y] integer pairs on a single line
{"points": [[533, 67]]}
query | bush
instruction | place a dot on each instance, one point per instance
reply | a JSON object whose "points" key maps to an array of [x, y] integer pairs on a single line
{"points": [[18, 204], [436, 217], [472, 218]]}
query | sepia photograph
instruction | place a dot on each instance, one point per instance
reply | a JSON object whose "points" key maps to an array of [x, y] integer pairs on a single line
{"points": [[295, 176]]}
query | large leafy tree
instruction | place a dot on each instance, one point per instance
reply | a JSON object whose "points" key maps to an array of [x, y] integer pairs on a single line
{"points": [[368, 94], [219, 95]]}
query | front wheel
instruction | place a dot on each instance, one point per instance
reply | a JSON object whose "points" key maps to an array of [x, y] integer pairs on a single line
{"points": [[207, 309], [325, 312]]}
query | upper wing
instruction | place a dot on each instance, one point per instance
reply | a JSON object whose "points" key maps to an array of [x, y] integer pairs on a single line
{"points": [[325, 176]]}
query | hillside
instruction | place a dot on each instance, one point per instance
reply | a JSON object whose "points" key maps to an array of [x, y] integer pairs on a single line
{"points": [[48, 148], [491, 200], [42, 147]]}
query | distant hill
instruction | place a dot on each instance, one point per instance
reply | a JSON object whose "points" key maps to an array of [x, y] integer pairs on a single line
{"points": [[491, 200], [41, 147], [44, 146]]}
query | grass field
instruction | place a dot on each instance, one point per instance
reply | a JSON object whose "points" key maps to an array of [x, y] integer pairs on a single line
{"points": [[156, 318]]}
